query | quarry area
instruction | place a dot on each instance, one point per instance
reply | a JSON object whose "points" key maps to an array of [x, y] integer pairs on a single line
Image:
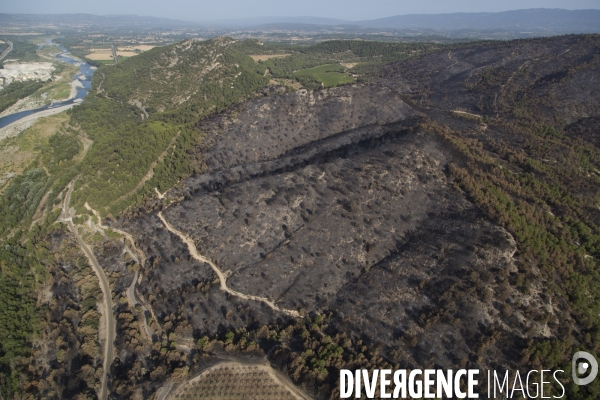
{"points": [[25, 72]]}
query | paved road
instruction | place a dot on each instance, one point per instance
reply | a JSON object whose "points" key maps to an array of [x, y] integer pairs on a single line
{"points": [[194, 252], [8, 50], [114, 53], [108, 306]]}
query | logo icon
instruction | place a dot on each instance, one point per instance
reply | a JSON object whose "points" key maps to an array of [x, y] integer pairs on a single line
{"points": [[579, 368]]}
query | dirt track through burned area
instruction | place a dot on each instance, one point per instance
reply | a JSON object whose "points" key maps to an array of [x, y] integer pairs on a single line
{"points": [[222, 278], [110, 333]]}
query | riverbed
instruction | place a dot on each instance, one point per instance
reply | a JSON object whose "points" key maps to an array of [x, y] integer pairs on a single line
{"points": [[84, 76]]}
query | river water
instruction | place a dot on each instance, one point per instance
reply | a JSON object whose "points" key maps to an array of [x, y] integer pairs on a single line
{"points": [[84, 76]]}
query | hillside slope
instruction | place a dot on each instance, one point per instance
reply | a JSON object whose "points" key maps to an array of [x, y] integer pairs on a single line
{"points": [[116, 153], [140, 115], [455, 230], [444, 216]]}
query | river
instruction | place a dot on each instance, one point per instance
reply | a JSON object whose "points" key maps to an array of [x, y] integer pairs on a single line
{"points": [[84, 76]]}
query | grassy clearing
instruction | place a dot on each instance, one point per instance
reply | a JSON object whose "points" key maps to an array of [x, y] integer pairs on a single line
{"points": [[140, 47], [61, 88], [18, 152], [263, 57], [330, 75], [100, 55], [286, 82], [49, 52], [105, 54], [38, 40]]}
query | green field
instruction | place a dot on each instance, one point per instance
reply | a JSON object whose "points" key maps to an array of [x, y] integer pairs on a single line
{"points": [[330, 74]]}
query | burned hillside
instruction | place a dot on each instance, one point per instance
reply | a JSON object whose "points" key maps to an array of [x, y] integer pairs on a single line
{"points": [[444, 216]]}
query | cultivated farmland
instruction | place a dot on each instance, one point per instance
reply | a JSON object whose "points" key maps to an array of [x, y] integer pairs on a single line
{"points": [[233, 380]]}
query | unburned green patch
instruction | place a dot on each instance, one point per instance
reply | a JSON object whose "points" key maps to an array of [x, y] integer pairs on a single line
{"points": [[329, 75]]}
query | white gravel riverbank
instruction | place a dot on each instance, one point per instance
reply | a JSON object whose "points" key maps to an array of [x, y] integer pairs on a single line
{"points": [[19, 126]]}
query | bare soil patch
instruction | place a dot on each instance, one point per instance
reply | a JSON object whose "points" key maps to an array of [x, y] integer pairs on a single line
{"points": [[142, 47], [263, 57], [100, 55], [127, 53]]}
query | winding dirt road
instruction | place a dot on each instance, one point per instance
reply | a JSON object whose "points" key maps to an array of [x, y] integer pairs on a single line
{"points": [[132, 295], [222, 278], [110, 333]]}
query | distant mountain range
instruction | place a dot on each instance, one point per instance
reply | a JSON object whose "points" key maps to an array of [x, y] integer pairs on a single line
{"points": [[90, 19], [541, 20]]}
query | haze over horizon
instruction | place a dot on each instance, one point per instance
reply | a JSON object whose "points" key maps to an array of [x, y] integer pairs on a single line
{"points": [[351, 10]]}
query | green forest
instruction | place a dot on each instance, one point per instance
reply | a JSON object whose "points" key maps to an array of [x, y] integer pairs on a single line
{"points": [[23, 49], [17, 91], [127, 143]]}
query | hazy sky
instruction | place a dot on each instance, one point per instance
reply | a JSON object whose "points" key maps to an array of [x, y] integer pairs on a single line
{"points": [[206, 10]]}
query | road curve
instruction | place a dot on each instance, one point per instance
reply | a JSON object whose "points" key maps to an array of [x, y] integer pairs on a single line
{"points": [[8, 50], [114, 53], [133, 302], [104, 286], [194, 253], [131, 293]]}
